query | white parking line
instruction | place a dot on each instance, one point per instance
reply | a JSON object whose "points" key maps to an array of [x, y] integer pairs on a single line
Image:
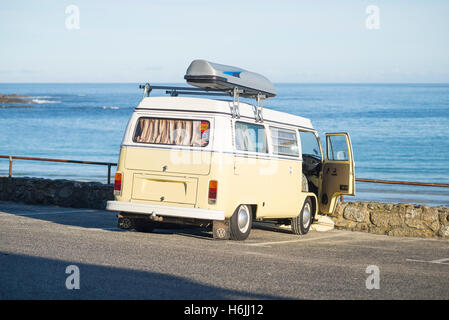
{"points": [[94, 229], [437, 261], [4, 214], [104, 229], [440, 260], [292, 241], [38, 213]]}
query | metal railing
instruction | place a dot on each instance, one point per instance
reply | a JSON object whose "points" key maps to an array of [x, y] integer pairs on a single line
{"points": [[408, 183], [11, 158], [424, 184], [111, 164]]}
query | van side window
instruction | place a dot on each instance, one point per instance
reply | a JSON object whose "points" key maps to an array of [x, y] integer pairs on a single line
{"points": [[250, 137], [193, 133], [284, 142], [309, 144]]}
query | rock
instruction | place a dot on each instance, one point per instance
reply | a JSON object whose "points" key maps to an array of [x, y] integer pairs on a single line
{"points": [[416, 223], [376, 230], [443, 216], [444, 232], [357, 214], [345, 224], [387, 219], [363, 227], [430, 218], [339, 209], [65, 192], [322, 224]]}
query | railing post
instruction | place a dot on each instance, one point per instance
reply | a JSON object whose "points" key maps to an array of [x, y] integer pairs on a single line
{"points": [[109, 173], [10, 166]]}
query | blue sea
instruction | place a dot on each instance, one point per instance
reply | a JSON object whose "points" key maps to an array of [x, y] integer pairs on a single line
{"points": [[398, 131]]}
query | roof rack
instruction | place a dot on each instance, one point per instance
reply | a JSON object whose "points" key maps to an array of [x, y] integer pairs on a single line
{"points": [[174, 91], [235, 93]]}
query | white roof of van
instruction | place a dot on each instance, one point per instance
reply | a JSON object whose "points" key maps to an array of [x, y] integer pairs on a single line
{"points": [[221, 107]]}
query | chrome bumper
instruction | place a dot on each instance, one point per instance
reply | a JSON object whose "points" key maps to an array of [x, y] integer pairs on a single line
{"points": [[167, 211]]}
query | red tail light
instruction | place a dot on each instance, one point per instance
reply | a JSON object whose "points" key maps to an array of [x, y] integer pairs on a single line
{"points": [[213, 184], [118, 184]]}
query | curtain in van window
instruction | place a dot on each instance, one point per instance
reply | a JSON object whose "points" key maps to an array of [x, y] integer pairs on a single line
{"points": [[172, 132], [242, 138]]}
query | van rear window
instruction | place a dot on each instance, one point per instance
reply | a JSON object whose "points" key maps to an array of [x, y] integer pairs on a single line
{"points": [[179, 132]]}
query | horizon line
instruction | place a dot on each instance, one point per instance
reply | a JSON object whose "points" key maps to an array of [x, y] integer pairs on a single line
{"points": [[169, 82]]}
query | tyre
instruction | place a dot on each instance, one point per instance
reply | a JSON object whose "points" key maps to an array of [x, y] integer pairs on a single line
{"points": [[141, 225], [240, 223], [301, 223]]}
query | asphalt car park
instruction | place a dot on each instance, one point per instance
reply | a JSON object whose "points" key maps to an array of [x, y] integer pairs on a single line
{"points": [[40, 246]]}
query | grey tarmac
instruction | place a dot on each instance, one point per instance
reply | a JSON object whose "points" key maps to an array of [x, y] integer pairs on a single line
{"points": [[38, 243]]}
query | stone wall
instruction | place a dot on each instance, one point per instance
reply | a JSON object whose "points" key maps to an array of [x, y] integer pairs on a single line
{"points": [[405, 220], [65, 193]]}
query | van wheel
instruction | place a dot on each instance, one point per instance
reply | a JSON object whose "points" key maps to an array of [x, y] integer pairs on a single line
{"points": [[125, 223], [301, 223], [143, 225], [240, 223]]}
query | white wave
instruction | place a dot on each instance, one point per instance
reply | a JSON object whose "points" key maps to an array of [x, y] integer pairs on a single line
{"points": [[39, 101], [42, 97], [114, 108]]}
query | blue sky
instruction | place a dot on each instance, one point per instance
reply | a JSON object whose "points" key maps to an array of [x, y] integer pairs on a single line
{"points": [[287, 41]]}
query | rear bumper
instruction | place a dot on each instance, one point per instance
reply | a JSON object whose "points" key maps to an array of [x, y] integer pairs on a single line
{"points": [[168, 211]]}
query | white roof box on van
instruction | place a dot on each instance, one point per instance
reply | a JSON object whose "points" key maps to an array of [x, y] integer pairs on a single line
{"points": [[208, 75]]}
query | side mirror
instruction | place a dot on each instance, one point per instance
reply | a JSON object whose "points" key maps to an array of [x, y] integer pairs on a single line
{"points": [[341, 156]]}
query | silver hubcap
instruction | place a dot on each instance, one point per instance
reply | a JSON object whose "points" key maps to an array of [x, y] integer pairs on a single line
{"points": [[126, 223], [243, 219], [306, 215]]}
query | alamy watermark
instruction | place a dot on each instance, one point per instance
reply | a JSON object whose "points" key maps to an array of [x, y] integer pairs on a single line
{"points": [[373, 280], [372, 21], [72, 282], [72, 20]]}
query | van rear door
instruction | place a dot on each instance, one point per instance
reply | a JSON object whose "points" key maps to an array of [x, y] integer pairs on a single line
{"points": [[338, 171]]}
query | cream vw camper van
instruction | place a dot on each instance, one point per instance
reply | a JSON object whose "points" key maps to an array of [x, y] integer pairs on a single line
{"points": [[223, 162]]}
